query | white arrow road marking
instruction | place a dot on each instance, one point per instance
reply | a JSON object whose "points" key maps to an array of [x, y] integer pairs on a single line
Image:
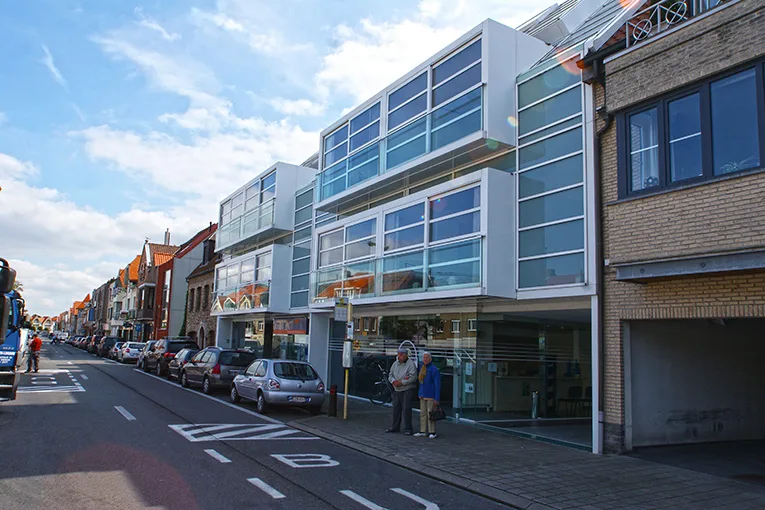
{"points": [[217, 456], [260, 484], [361, 500], [124, 412], [429, 505]]}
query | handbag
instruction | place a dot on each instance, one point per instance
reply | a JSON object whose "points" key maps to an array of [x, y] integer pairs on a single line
{"points": [[437, 414]]}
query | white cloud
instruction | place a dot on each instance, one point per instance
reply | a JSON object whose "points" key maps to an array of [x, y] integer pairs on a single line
{"points": [[152, 24], [218, 19], [3, 118], [297, 107], [61, 249], [51, 65]]}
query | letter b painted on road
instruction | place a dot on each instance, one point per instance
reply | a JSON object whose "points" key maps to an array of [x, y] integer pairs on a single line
{"points": [[306, 460]]}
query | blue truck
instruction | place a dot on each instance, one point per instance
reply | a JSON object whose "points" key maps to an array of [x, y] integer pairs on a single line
{"points": [[13, 333]]}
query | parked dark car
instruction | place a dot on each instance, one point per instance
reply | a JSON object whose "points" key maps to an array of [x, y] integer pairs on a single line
{"points": [[179, 361], [215, 367], [82, 343], [93, 344], [105, 345], [144, 351], [161, 354]]}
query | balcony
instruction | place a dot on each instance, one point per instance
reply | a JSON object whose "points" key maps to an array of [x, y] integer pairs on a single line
{"points": [[254, 225], [130, 314], [450, 266], [249, 297], [662, 16], [144, 314]]}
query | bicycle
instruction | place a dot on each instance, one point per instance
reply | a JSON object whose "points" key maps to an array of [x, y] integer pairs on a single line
{"points": [[383, 389]]}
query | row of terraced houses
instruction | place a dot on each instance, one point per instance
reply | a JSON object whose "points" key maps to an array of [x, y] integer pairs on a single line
{"points": [[566, 214]]}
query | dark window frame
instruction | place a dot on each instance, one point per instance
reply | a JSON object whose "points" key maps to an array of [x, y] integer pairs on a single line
{"points": [[703, 88]]}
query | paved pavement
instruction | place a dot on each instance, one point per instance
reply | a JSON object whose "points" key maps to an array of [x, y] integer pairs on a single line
{"points": [[531, 474], [87, 433]]}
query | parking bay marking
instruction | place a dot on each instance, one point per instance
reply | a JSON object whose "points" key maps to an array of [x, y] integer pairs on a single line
{"points": [[362, 500], [236, 432], [124, 412], [429, 505]]}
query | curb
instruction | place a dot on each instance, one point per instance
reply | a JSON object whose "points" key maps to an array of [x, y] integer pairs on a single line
{"points": [[480, 489]]}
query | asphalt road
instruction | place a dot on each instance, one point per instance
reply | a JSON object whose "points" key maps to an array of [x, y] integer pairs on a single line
{"points": [[87, 433]]}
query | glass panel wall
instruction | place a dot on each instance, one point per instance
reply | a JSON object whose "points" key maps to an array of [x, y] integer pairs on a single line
{"points": [[243, 284], [247, 212], [419, 120], [301, 248], [551, 179]]}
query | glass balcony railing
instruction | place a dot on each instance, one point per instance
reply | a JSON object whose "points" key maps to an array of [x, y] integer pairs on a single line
{"points": [[244, 226], [247, 296], [446, 266], [447, 124]]}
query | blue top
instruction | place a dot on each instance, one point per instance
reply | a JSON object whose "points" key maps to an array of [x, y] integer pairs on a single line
{"points": [[430, 387]]}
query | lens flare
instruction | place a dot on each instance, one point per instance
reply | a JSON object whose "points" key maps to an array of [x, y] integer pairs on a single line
{"points": [[569, 64], [512, 121], [492, 144]]}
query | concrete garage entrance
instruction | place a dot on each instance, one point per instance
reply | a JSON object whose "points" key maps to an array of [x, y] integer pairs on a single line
{"points": [[694, 381]]}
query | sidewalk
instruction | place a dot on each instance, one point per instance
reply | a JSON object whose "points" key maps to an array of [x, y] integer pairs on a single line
{"points": [[529, 474]]}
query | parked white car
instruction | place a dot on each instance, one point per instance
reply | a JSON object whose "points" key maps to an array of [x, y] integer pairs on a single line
{"points": [[129, 352]]}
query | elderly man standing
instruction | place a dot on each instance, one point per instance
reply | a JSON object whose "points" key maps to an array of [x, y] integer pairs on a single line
{"points": [[403, 376]]}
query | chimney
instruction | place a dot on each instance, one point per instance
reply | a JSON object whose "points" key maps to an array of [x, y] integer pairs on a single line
{"points": [[167, 237]]}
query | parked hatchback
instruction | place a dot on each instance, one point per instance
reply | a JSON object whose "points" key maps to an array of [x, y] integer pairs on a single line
{"points": [[147, 347], [215, 367], [129, 351], [179, 361], [105, 346], [162, 353], [279, 382]]}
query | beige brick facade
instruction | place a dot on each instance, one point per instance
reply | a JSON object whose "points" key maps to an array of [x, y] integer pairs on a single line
{"points": [[714, 217], [197, 314]]}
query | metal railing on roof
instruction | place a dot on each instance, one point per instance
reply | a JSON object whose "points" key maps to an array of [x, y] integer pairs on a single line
{"points": [[662, 16]]}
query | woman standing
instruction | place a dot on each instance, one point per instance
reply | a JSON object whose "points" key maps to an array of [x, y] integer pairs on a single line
{"points": [[430, 395]]}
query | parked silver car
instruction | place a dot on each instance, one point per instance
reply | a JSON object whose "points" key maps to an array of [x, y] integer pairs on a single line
{"points": [[129, 352], [141, 355], [279, 382]]}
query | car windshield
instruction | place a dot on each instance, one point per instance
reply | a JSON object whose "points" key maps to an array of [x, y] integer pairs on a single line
{"points": [[118, 345], [134, 346], [299, 371], [236, 359]]}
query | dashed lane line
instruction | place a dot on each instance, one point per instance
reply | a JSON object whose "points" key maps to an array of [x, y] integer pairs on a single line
{"points": [[260, 484], [84, 377], [217, 456], [124, 412]]}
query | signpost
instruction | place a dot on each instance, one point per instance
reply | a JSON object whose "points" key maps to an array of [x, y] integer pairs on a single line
{"points": [[344, 313]]}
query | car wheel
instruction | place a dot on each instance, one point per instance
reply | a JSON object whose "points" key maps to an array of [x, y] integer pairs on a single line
{"points": [[169, 374], [145, 366], [159, 369], [184, 380], [235, 398], [261, 404], [206, 385]]}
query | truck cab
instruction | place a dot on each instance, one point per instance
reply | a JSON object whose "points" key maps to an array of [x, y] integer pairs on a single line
{"points": [[13, 333]]}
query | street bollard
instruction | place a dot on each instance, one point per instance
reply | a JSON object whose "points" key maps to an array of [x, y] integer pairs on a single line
{"points": [[332, 401], [534, 405]]}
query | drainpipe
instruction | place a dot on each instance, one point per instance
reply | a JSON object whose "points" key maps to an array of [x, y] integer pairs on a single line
{"points": [[599, 273]]}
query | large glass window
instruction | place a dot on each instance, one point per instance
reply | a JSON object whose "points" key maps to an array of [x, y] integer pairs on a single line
{"points": [[685, 138], [551, 148], [547, 83], [456, 85], [407, 143], [263, 267], [398, 230], [455, 215], [364, 164], [711, 130], [553, 207], [405, 93], [459, 61], [555, 238], [455, 203], [456, 120], [644, 149], [735, 136], [558, 174], [552, 110], [561, 270]]}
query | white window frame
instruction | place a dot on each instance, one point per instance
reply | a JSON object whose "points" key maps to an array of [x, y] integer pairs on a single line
{"points": [[472, 324], [457, 323]]}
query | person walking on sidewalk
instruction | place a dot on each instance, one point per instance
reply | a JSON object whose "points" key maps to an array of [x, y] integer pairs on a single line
{"points": [[34, 354], [430, 395], [403, 376]]}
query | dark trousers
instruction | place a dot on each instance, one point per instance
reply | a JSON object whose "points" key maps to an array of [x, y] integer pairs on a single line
{"points": [[402, 402], [34, 358]]}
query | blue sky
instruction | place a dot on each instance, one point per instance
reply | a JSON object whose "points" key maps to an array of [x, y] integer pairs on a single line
{"points": [[119, 118]]}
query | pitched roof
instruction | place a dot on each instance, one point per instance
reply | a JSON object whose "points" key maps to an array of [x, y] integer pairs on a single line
{"points": [[133, 268], [86, 300], [203, 269], [161, 258], [196, 239]]}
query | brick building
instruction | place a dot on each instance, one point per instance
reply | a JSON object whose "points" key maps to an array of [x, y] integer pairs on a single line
{"points": [[682, 137], [200, 325]]}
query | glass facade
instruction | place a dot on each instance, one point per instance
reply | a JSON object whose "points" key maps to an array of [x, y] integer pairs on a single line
{"points": [[243, 284], [419, 119], [551, 226], [301, 248], [491, 364], [247, 212]]}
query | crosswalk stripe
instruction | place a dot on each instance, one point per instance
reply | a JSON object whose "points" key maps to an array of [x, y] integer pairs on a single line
{"points": [[50, 389]]}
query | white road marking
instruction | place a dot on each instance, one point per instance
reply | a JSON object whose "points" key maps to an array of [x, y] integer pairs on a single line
{"points": [[217, 456], [124, 412], [361, 500], [85, 377], [232, 406], [50, 389], [306, 460], [45, 382], [198, 432], [429, 505], [260, 484], [69, 362]]}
